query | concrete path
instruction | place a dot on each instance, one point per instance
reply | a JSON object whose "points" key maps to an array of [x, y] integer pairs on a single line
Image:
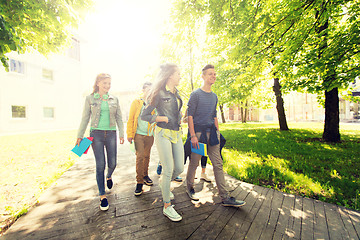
{"points": [[70, 210]]}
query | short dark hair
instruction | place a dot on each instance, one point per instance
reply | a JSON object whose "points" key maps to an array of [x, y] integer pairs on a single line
{"points": [[147, 84], [208, 66]]}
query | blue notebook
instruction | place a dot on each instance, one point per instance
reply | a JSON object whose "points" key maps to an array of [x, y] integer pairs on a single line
{"points": [[202, 150], [84, 144]]}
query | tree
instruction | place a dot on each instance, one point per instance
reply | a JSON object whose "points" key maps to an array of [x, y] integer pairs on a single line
{"points": [[41, 25], [314, 45]]}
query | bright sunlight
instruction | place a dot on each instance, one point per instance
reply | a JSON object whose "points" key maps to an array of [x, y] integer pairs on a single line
{"points": [[122, 38]]}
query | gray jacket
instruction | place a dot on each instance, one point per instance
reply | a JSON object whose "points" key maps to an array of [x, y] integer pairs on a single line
{"points": [[92, 108], [166, 104]]}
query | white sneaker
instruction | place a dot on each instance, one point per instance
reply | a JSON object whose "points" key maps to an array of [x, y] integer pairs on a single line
{"points": [[205, 177], [171, 213]]}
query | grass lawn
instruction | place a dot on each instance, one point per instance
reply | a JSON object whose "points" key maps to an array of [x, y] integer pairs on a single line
{"points": [[29, 164], [296, 161]]}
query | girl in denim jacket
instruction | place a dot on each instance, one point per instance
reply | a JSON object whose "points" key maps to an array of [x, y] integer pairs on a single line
{"points": [[104, 111]]}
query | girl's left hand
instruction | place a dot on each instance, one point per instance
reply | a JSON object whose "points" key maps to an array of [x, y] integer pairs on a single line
{"points": [[121, 140]]}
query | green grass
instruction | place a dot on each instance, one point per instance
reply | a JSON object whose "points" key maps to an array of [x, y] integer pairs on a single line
{"points": [[296, 161], [30, 163]]}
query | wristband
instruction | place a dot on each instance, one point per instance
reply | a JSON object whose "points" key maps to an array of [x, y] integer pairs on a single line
{"points": [[192, 136]]}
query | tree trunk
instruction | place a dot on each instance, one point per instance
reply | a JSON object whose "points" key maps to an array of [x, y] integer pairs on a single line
{"points": [[242, 113], [246, 112], [280, 105], [331, 128], [221, 106]]}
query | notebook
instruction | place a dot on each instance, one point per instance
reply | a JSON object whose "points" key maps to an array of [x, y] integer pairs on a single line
{"points": [[202, 150], [83, 146], [90, 138]]}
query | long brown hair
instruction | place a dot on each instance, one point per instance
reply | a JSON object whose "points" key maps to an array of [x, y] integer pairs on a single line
{"points": [[99, 78], [166, 70]]}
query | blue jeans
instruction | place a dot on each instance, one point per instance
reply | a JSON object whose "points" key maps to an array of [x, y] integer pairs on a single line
{"points": [[104, 139]]}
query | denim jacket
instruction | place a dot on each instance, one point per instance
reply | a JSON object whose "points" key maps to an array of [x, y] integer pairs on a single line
{"points": [[92, 108], [166, 104]]}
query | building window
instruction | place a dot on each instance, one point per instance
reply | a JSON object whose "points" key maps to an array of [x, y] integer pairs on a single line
{"points": [[47, 74], [74, 50], [49, 112], [18, 111], [17, 66]]}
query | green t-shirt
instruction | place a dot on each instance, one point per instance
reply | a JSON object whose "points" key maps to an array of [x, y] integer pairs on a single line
{"points": [[104, 121]]}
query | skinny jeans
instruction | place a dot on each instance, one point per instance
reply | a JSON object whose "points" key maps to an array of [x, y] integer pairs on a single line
{"points": [[104, 140], [172, 161]]}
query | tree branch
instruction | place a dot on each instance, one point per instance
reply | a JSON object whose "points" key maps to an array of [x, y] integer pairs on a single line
{"points": [[308, 32], [284, 19]]}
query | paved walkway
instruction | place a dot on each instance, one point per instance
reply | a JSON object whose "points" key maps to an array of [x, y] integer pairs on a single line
{"points": [[70, 210]]}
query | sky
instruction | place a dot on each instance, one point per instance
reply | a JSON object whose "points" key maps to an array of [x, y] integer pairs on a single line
{"points": [[122, 38]]}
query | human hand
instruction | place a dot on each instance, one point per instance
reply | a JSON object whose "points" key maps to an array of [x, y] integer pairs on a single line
{"points": [[163, 119], [195, 142], [78, 141], [130, 140], [121, 140]]}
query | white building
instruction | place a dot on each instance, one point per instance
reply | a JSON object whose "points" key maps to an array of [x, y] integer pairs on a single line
{"points": [[41, 94]]}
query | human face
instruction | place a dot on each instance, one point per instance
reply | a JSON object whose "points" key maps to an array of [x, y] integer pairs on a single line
{"points": [[104, 85], [209, 76], [175, 78]]}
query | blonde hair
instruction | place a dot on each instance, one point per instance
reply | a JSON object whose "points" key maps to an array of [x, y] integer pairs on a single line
{"points": [[99, 78], [166, 70]]}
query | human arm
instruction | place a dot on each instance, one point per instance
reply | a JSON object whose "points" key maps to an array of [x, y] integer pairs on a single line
{"points": [[130, 127], [119, 123], [151, 118], [191, 110], [194, 140], [216, 122]]}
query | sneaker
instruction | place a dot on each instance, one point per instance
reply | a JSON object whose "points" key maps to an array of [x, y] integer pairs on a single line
{"points": [[192, 194], [104, 204], [148, 181], [205, 177], [159, 169], [138, 190], [232, 202], [178, 179], [171, 213], [109, 183]]}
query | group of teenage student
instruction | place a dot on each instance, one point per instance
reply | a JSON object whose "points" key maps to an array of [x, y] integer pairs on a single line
{"points": [[156, 117]]}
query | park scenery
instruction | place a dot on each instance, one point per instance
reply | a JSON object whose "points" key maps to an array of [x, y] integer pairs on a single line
{"points": [[287, 81]]}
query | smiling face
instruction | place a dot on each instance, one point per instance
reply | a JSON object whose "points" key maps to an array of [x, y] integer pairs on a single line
{"points": [[104, 85], [209, 76]]}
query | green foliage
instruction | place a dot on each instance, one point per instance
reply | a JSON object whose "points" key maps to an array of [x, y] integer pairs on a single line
{"points": [[295, 161], [42, 25]]}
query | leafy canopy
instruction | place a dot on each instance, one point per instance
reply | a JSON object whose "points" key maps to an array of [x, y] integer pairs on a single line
{"points": [[41, 25]]}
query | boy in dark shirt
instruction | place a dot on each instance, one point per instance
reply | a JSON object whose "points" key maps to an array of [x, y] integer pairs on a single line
{"points": [[204, 127]]}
